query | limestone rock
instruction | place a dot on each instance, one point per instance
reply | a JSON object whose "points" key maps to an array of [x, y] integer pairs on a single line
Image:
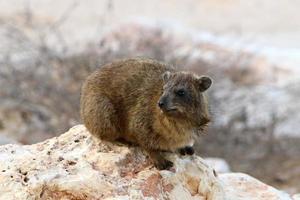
{"points": [[296, 196], [7, 140], [240, 186], [218, 164], [76, 165]]}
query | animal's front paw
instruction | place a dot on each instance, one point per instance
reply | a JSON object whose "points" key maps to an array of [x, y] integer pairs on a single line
{"points": [[188, 150], [164, 164]]}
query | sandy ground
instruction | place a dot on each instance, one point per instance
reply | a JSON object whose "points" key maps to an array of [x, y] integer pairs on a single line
{"points": [[268, 27]]}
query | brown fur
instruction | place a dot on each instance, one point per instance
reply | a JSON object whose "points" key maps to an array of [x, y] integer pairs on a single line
{"points": [[119, 101]]}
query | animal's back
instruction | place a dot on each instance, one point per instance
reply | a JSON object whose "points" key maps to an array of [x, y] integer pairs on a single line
{"points": [[117, 93]]}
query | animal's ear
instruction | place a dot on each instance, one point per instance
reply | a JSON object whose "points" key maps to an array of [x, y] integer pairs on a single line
{"points": [[166, 76], [204, 82]]}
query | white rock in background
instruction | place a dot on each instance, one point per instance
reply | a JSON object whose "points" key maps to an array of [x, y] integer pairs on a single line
{"points": [[261, 107], [218, 164], [296, 196], [6, 140], [77, 166]]}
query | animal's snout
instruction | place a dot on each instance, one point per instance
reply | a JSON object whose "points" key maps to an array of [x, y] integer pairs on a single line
{"points": [[162, 102]]}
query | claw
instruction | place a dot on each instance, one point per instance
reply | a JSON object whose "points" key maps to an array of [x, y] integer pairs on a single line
{"points": [[164, 165], [188, 150]]}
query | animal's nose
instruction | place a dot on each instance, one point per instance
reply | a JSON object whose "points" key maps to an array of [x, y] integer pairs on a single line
{"points": [[161, 104]]}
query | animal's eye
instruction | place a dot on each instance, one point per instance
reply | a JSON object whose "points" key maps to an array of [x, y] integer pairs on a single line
{"points": [[180, 92]]}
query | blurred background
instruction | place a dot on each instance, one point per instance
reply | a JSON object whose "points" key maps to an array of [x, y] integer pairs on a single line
{"points": [[250, 48]]}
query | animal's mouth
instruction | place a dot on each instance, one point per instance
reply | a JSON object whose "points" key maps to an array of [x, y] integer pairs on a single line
{"points": [[171, 110]]}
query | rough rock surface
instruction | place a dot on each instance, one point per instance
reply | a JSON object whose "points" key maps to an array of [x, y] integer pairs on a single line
{"points": [[219, 164], [77, 166]]}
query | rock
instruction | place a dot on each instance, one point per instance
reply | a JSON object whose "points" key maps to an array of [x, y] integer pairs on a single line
{"points": [[240, 186], [31, 126], [296, 196], [7, 140], [76, 165], [277, 104], [218, 164]]}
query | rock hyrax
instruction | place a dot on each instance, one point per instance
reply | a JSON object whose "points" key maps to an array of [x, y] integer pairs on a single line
{"points": [[147, 103]]}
